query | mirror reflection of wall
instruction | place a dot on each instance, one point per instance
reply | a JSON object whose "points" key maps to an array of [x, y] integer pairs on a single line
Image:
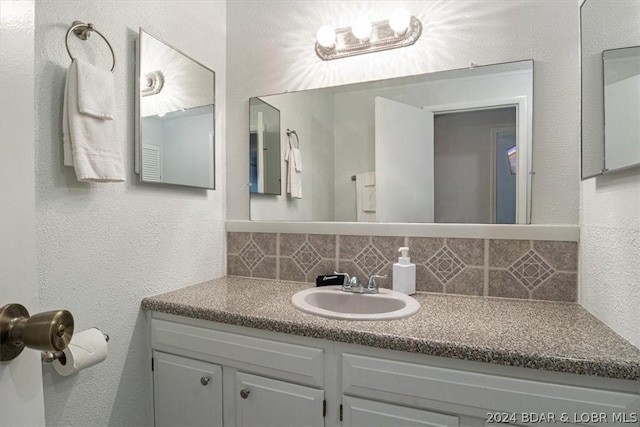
{"points": [[608, 30], [264, 148], [175, 99], [621, 108], [360, 169], [309, 113]]}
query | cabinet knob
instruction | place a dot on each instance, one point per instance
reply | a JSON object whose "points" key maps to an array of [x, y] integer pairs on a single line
{"points": [[244, 393], [205, 380]]}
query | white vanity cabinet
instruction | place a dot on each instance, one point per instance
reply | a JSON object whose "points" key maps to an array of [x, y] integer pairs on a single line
{"points": [[261, 401], [186, 392], [460, 397], [209, 377], [261, 378]]}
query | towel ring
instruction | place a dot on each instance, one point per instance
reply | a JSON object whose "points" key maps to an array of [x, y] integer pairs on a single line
{"points": [[293, 132], [82, 31]]}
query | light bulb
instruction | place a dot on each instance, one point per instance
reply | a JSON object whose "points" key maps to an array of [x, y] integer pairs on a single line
{"points": [[361, 28], [326, 36], [399, 21]]}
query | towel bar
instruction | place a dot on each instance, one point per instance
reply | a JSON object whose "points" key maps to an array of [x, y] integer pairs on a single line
{"points": [[82, 31]]}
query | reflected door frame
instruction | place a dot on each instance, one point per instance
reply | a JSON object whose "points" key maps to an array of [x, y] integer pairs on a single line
{"points": [[523, 137], [495, 132]]}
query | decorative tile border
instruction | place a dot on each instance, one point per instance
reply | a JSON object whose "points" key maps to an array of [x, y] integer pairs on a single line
{"points": [[252, 255], [528, 269], [445, 265]]}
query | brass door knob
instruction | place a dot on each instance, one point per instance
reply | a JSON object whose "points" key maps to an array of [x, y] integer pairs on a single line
{"points": [[48, 331]]}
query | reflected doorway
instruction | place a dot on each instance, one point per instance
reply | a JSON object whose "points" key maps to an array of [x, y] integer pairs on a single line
{"points": [[475, 158]]}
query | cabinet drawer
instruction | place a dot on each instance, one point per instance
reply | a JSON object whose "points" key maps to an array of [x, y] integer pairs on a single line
{"points": [[369, 413], [291, 358], [408, 381]]}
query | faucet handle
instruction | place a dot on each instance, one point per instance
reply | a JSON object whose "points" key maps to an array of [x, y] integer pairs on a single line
{"points": [[372, 280], [347, 277]]}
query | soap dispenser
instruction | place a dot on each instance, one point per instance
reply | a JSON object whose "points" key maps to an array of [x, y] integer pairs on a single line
{"points": [[404, 274]]}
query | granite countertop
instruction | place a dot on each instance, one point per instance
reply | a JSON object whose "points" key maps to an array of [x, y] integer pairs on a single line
{"points": [[553, 336]]}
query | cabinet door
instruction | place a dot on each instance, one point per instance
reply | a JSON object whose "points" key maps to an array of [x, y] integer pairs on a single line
{"points": [[186, 392], [369, 413], [265, 402]]}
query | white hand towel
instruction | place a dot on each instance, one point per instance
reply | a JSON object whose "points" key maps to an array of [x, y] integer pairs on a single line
{"points": [[366, 197], [294, 176], [368, 191], [369, 179], [90, 143], [95, 91], [297, 157], [369, 198]]}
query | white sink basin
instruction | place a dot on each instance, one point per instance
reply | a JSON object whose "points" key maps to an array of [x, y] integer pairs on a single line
{"points": [[332, 302]]}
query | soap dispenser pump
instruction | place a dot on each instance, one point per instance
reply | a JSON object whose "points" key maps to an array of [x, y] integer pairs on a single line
{"points": [[404, 274]]}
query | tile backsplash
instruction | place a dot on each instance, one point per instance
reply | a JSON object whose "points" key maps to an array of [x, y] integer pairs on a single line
{"points": [[529, 269]]}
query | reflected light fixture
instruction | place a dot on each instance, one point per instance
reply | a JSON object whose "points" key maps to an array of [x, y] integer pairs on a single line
{"points": [[401, 29], [151, 83]]}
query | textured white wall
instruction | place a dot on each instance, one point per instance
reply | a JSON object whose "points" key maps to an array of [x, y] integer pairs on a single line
{"points": [[103, 247], [270, 48], [609, 251]]}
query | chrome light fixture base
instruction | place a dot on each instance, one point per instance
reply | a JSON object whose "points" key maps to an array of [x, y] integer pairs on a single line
{"points": [[382, 37]]}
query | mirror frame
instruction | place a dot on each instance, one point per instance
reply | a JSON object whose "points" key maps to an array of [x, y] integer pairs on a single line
{"points": [[138, 118]]}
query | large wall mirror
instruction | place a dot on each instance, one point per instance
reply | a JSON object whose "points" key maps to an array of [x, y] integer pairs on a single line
{"points": [[444, 147], [175, 116], [610, 39]]}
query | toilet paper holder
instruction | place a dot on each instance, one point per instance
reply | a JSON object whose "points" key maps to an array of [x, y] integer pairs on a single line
{"points": [[50, 356]]}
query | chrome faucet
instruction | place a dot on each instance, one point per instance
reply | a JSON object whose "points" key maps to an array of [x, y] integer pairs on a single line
{"points": [[352, 284], [372, 286]]}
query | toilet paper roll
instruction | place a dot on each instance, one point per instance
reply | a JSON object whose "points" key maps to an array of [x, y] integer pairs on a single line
{"points": [[87, 348]]}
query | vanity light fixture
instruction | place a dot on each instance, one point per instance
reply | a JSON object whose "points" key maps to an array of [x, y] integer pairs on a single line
{"points": [[151, 83], [399, 21], [401, 29], [361, 28], [326, 36]]}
